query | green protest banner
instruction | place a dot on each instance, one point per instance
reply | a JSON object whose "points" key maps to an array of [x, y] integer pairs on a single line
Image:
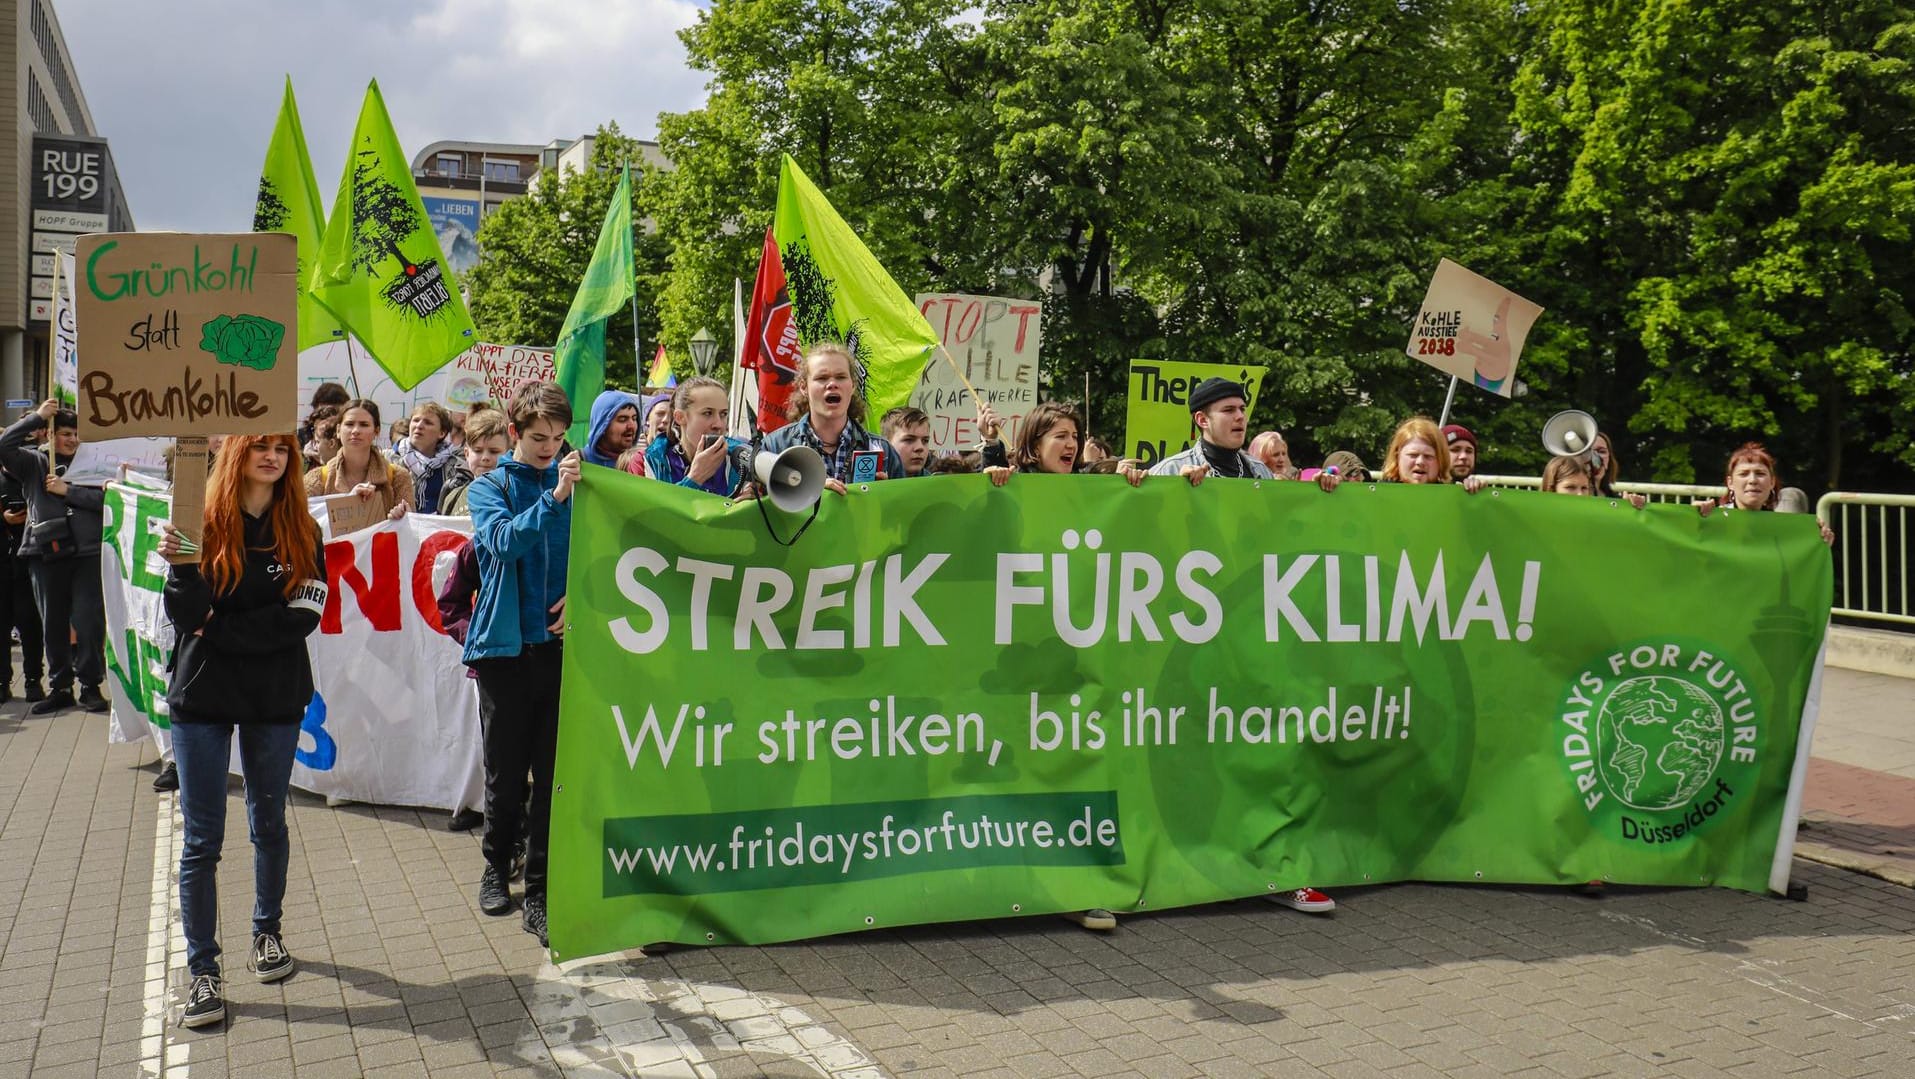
{"points": [[1157, 417], [949, 701]]}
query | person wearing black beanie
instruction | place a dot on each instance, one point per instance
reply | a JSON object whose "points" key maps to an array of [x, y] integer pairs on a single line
{"points": [[1219, 408]]}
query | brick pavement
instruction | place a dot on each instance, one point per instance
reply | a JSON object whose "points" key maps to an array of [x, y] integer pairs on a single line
{"points": [[1858, 803], [401, 976]]}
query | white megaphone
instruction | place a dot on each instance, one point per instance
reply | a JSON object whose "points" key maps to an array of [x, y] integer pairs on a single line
{"points": [[792, 479], [1570, 434]]}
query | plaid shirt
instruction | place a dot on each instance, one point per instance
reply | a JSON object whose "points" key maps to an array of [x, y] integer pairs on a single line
{"points": [[838, 462]]}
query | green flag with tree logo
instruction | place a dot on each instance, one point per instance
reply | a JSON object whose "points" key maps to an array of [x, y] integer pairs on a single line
{"points": [[840, 293], [289, 202], [609, 285], [380, 270]]}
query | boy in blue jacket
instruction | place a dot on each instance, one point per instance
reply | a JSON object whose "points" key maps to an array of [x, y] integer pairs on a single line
{"points": [[521, 528]]}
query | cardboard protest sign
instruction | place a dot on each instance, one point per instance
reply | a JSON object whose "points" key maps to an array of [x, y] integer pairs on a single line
{"points": [[348, 513], [1157, 420], [1472, 328], [192, 459], [63, 351], [995, 342], [187, 334], [96, 464]]}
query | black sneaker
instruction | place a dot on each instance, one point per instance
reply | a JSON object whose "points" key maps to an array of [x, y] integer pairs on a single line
{"points": [[57, 701], [35, 691], [168, 779], [271, 961], [518, 860], [92, 701], [534, 920], [465, 820], [203, 1004], [494, 897]]}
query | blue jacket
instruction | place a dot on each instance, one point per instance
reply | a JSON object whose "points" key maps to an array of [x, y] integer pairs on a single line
{"points": [[522, 539], [664, 460], [604, 407]]}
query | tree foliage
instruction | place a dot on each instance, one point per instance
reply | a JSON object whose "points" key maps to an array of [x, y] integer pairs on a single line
{"points": [[536, 248], [1711, 198]]}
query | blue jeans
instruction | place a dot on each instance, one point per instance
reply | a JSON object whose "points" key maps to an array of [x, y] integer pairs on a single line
{"points": [[204, 753]]}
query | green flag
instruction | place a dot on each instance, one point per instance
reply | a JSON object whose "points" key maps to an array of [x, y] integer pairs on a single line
{"points": [[608, 286], [839, 292], [289, 202], [380, 269]]}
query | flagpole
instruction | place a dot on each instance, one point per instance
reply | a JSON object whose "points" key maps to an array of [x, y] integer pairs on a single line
{"points": [[351, 367], [638, 357]]}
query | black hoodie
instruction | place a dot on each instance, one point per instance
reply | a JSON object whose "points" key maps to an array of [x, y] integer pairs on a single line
{"points": [[248, 664]]}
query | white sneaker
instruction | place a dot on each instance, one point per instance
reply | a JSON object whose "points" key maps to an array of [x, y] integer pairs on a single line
{"points": [[1097, 918], [1307, 900]]}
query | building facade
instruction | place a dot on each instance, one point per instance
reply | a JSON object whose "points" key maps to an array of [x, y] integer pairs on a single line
{"points": [[461, 183], [57, 182]]}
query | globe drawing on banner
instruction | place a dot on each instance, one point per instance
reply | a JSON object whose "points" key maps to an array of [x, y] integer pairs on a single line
{"points": [[1659, 739]]}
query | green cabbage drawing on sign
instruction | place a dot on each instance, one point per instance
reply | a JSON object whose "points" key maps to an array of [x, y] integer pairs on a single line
{"points": [[243, 340]]}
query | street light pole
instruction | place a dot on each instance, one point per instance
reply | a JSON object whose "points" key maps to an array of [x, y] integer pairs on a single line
{"points": [[704, 350]]}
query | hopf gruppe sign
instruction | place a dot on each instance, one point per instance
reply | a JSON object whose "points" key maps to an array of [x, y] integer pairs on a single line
{"points": [[184, 334]]}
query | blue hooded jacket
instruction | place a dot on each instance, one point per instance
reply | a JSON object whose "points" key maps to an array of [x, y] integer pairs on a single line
{"points": [[665, 461], [603, 409], [521, 535]]}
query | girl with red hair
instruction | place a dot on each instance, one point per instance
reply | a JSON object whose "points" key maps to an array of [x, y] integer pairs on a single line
{"points": [[1753, 483], [241, 617]]}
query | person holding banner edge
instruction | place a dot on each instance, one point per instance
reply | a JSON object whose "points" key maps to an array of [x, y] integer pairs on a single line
{"points": [[241, 615], [521, 530], [62, 545], [830, 420], [1219, 408]]}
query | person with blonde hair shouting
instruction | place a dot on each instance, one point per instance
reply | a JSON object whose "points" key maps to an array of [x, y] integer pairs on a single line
{"points": [[830, 420]]}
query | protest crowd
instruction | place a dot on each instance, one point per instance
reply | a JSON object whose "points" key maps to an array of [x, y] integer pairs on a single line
{"points": [[242, 614]]}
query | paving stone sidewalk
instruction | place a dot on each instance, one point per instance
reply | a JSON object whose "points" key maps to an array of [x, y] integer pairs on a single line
{"points": [[1858, 804], [402, 976]]}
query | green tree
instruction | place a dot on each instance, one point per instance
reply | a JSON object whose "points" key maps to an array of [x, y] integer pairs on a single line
{"points": [[1714, 199], [534, 251], [835, 83]]}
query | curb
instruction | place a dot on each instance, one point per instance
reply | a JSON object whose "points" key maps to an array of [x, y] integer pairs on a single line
{"points": [[1894, 870]]}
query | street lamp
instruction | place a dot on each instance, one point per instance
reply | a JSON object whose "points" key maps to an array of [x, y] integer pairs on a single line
{"points": [[704, 348]]}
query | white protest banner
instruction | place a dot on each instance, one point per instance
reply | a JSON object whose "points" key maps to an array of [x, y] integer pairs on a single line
{"points": [[1472, 328], [63, 345], [394, 720], [96, 464], [995, 341], [481, 373]]}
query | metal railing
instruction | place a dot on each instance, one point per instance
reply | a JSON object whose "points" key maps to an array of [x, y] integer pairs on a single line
{"points": [[1654, 492], [1871, 542], [1871, 556]]}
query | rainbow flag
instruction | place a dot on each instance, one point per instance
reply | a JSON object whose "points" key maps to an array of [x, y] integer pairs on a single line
{"points": [[660, 377]]}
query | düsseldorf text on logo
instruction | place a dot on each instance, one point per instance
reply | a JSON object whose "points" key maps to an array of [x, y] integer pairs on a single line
{"points": [[1646, 733]]}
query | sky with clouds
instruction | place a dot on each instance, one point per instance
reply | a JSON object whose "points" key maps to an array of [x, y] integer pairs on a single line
{"points": [[186, 91]]}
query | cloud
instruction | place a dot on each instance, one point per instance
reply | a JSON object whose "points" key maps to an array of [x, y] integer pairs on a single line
{"points": [[186, 92]]}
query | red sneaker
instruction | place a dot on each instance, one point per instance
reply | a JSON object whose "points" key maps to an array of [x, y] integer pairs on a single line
{"points": [[1307, 900]]}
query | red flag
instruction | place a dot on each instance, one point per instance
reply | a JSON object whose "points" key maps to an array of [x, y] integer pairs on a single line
{"points": [[771, 340]]}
